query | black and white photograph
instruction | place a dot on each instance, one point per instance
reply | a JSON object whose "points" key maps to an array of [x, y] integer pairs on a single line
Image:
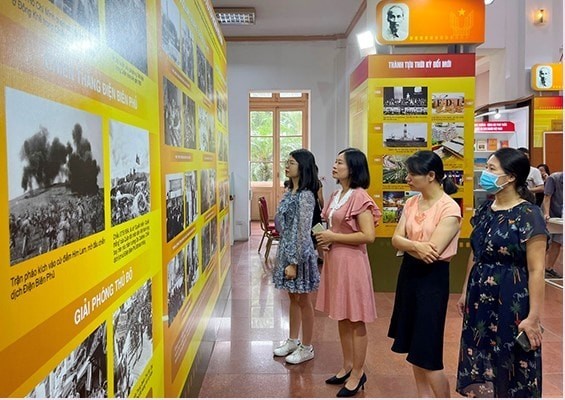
{"points": [[207, 189], [224, 194], [544, 76], [170, 20], [393, 205], [190, 197], [222, 107], [405, 100], [187, 53], [82, 374], [174, 203], [223, 146], [405, 135], [448, 103], [176, 286], [55, 174], [192, 271], [395, 22], [130, 195], [85, 12], [133, 339], [225, 231], [394, 169], [205, 73], [209, 242], [126, 30], [189, 122], [172, 110], [206, 129]]}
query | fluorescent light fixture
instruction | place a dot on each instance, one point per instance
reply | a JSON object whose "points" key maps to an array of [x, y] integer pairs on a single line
{"points": [[496, 113], [488, 2], [365, 40], [235, 16]]}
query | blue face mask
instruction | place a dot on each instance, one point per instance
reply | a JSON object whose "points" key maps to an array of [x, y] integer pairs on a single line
{"points": [[488, 182]]}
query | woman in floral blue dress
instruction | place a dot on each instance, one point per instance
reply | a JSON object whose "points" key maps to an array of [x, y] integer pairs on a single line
{"points": [[297, 270], [504, 288]]}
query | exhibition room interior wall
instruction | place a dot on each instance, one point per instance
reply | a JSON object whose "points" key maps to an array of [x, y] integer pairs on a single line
{"points": [[511, 47]]}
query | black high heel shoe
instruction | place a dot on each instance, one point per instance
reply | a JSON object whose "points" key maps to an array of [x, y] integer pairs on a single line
{"points": [[334, 380], [345, 392]]}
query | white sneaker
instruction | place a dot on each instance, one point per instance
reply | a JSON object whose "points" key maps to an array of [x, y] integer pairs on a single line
{"points": [[286, 348], [301, 354]]}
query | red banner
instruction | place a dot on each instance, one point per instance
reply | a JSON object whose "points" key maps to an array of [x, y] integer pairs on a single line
{"points": [[422, 65]]}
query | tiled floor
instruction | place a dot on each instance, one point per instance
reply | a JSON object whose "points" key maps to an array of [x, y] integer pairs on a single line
{"points": [[255, 319]]}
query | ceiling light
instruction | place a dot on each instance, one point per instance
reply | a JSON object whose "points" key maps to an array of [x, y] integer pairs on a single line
{"points": [[365, 40], [235, 16], [489, 2]]}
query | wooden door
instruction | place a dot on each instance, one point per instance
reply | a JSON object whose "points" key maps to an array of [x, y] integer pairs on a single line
{"points": [[553, 150]]}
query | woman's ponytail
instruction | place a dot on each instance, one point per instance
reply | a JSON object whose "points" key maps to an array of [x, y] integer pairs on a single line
{"points": [[448, 185], [526, 193]]}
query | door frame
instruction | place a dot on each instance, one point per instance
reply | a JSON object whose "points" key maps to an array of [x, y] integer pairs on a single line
{"points": [[276, 104]]}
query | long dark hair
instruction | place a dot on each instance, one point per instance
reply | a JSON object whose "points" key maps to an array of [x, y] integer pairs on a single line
{"points": [[425, 161], [358, 168], [514, 162], [307, 170]]}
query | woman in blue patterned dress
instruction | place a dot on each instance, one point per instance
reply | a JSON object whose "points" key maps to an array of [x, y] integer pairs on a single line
{"points": [[297, 270], [504, 288]]}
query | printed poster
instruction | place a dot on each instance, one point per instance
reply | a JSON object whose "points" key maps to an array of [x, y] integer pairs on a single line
{"points": [[418, 102]]}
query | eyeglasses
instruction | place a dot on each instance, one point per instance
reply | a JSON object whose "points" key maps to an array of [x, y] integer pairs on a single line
{"points": [[290, 162]]}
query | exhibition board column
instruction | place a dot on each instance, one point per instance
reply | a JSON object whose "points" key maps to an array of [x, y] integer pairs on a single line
{"points": [[548, 131], [413, 102]]}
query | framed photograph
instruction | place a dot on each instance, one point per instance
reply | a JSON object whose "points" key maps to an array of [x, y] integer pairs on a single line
{"points": [[60, 200], [395, 22]]}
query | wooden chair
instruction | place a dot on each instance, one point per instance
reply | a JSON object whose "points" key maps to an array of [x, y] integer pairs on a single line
{"points": [[269, 230]]}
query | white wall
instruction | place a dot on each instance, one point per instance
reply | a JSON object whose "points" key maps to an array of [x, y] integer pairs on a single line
{"points": [[318, 67], [542, 42], [482, 89]]}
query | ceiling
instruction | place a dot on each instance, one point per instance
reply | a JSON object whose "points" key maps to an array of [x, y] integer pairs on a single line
{"points": [[293, 18]]}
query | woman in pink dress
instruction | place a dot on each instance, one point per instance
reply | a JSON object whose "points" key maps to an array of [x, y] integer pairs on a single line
{"points": [[346, 287]]}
